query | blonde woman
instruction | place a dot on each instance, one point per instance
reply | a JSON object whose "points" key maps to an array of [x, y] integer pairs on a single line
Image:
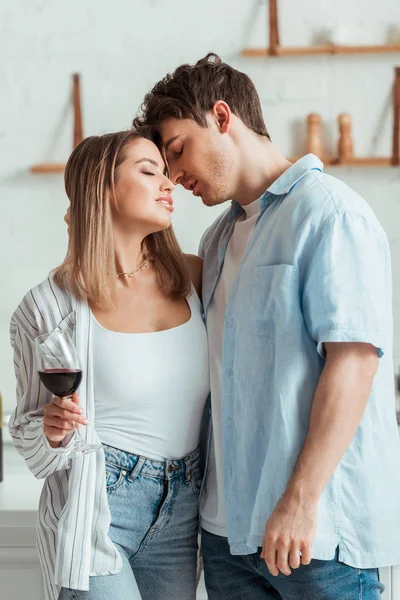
{"points": [[120, 522]]}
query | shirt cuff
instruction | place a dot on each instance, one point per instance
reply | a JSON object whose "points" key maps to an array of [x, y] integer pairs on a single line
{"points": [[64, 446], [348, 335]]}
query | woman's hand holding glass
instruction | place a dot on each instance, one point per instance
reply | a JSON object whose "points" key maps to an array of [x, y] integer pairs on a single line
{"points": [[61, 417], [60, 372]]}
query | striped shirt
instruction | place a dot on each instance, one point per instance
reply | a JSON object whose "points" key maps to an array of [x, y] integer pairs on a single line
{"points": [[73, 515]]}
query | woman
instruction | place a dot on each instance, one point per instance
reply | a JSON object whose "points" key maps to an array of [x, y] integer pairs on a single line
{"points": [[129, 513]]}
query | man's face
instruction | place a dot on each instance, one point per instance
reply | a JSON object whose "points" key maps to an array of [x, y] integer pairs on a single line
{"points": [[202, 159]]}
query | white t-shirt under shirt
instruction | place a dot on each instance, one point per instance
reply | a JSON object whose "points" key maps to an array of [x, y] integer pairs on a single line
{"points": [[151, 388], [212, 509]]}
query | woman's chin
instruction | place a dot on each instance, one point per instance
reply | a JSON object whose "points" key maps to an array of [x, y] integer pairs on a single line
{"points": [[162, 224]]}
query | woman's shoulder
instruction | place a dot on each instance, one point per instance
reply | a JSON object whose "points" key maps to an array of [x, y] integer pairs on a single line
{"points": [[42, 307], [195, 266]]}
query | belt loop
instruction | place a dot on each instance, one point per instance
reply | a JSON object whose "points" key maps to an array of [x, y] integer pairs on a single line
{"points": [[187, 469], [137, 468]]}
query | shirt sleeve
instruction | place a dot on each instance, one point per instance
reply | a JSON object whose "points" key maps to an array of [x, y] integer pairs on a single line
{"points": [[26, 421], [201, 251], [347, 286]]}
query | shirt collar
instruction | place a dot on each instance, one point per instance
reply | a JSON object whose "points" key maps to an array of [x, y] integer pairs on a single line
{"points": [[283, 184], [293, 174]]}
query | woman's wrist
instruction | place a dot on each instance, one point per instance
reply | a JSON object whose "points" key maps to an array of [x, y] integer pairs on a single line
{"points": [[53, 444]]}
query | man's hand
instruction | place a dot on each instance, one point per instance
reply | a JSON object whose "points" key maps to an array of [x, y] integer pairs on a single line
{"points": [[337, 408], [289, 531]]}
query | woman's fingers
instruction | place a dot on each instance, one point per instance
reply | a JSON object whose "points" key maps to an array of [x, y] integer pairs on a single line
{"points": [[59, 424], [71, 404], [61, 417], [66, 409], [54, 410]]}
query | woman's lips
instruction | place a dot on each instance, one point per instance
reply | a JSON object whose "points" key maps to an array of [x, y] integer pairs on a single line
{"points": [[167, 202]]}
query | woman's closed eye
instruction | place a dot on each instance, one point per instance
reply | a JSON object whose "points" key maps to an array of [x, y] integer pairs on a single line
{"points": [[148, 173]]}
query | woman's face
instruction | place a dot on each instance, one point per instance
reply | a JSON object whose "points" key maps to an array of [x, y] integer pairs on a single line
{"points": [[143, 192]]}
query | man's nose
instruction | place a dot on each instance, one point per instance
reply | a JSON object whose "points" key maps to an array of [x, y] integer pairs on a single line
{"points": [[175, 175]]}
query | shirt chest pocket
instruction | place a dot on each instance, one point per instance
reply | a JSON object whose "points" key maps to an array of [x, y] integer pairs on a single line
{"points": [[274, 300]]}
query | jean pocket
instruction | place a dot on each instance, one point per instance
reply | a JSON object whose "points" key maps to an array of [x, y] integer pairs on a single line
{"points": [[115, 476], [196, 479]]}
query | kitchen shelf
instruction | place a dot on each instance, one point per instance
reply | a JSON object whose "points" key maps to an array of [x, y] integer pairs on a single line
{"points": [[45, 168], [277, 51], [275, 48], [365, 161], [48, 168]]}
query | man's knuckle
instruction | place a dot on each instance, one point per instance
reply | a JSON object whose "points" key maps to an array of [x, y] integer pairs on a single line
{"points": [[281, 565], [271, 537]]}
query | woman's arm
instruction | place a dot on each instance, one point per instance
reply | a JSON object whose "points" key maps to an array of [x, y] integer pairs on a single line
{"points": [[26, 422], [195, 266]]}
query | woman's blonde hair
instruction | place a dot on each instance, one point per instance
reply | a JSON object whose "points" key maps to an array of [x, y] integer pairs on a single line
{"points": [[89, 269]]}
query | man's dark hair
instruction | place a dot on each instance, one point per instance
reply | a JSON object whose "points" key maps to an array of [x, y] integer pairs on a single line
{"points": [[192, 90]]}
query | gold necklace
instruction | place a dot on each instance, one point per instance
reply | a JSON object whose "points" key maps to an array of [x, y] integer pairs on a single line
{"points": [[131, 274]]}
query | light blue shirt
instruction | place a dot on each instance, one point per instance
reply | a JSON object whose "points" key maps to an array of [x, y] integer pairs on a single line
{"points": [[317, 269]]}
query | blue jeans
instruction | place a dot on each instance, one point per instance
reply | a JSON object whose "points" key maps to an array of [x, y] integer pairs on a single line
{"points": [[154, 525], [230, 577]]}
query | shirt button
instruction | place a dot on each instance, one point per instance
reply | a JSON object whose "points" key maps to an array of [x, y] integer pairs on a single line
{"points": [[123, 472]]}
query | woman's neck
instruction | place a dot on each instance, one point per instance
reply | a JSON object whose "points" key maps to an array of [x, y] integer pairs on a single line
{"points": [[128, 252]]}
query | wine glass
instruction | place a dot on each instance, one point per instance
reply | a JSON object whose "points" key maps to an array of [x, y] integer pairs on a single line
{"points": [[60, 372]]}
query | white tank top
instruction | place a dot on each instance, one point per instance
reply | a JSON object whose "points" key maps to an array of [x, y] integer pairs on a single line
{"points": [[150, 388]]}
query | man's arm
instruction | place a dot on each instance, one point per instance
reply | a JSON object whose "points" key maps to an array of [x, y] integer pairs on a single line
{"points": [[195, 266], [338, 405]]}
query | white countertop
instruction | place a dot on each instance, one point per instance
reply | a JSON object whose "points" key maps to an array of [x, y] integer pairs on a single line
{"points": [[19, 492]]}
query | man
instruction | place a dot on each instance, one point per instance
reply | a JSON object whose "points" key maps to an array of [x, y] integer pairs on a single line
{"points": [[301, 492]]}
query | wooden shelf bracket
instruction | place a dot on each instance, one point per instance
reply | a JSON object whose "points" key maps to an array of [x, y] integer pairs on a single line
{"points": [[77, 129]]}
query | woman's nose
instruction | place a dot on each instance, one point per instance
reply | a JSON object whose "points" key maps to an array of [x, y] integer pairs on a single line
{"points": [[168, 186]]}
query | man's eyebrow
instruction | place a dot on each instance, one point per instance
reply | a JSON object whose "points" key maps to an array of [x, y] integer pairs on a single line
{"points": [[150, 160], [167, 145]]}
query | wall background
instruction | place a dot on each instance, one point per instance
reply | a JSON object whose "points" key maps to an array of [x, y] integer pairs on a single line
{"points": [[121, 49]]}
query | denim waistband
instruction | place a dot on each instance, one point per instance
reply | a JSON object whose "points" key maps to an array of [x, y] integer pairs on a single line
{"points": [[163, 469]]}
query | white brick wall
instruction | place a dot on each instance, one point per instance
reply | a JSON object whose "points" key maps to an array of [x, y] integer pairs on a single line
{"points": [[121, 49]]}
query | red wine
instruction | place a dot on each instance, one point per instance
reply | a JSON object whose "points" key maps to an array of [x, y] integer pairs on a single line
{"points": [[61, 382]]}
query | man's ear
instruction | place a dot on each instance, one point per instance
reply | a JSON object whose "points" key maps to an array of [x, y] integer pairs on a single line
{"points": [[222, 116]]}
